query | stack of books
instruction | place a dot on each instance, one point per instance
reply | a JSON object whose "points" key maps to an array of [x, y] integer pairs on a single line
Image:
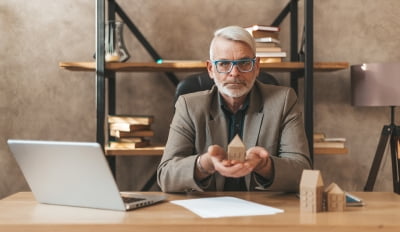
{"points": [[321, 141], [130, 131], [267, 43]]}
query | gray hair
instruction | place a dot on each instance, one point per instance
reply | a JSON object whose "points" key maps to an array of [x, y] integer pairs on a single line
{"points": [[234, 33]]}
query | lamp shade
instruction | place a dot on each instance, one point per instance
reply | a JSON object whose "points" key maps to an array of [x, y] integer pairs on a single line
{"points": [[375, 84]]}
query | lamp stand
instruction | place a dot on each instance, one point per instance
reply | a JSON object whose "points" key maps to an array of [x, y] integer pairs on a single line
{"points": [[389, 132]]}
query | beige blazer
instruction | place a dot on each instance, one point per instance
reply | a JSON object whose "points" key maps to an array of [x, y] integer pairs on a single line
{"points": [[272, 121]]}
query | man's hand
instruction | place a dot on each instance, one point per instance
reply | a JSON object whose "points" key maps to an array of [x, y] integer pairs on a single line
{"points": [[257, 160], [225, 167]]}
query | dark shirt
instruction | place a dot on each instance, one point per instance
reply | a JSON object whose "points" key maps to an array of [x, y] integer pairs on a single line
{"points": [[235, 123]]}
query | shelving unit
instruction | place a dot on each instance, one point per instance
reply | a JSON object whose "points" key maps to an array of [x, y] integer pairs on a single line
{"points": [[196, 66], [296, 68]]}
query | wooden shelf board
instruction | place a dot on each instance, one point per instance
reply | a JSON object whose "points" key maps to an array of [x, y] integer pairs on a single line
{"points": [[196, 66], [330, 151], [156, 150]]}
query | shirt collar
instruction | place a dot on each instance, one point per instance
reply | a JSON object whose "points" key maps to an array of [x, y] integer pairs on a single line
{"points": [[225, 107]]}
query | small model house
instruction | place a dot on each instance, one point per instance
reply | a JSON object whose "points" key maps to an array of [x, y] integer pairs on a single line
{"points": [[311, 191], [335, 198], [236, 149]]}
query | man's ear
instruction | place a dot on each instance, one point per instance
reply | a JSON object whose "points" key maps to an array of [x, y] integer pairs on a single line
{"points": [[210, 69]]}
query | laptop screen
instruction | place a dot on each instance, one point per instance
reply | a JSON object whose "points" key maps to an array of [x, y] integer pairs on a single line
{"points": [[67, 173]]}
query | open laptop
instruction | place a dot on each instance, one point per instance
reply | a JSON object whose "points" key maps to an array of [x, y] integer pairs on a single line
{"points": [[73, 174]]}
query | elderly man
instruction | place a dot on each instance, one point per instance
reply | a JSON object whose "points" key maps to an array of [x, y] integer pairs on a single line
{"points": [[266, 117]]}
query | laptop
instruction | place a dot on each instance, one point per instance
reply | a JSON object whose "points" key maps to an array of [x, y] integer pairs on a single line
{"points": [[73, 174]]}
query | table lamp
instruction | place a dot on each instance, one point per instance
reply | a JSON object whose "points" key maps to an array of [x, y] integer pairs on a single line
{"points": [[378, 84]]}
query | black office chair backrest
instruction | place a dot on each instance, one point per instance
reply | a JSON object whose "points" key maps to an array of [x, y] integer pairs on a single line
{"points": [[201, 81]]}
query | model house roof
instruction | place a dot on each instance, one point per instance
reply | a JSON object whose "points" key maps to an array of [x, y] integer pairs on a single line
{"points": [[237, 142], [311, 179]]}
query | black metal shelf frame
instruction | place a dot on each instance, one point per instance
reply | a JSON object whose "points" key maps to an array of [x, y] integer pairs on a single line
{"points": [[114, 9]]}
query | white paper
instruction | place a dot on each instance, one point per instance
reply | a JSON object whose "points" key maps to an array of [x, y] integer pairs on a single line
{"points": [[214, 207]]}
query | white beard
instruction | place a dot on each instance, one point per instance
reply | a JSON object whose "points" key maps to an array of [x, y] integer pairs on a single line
{"points": [[233, 92]]}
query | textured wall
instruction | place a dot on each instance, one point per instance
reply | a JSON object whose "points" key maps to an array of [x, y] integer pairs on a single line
{"points": [[38, 100]]}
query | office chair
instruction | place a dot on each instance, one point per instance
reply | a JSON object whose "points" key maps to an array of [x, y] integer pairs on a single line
{"points": [[201, 81]]}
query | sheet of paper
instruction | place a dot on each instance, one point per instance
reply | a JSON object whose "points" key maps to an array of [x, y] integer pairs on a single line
{"points": [[214, 207]]}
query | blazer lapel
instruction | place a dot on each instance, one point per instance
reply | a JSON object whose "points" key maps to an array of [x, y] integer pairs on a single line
{"points": [[217, 131], [253, 120], [252, 124]]}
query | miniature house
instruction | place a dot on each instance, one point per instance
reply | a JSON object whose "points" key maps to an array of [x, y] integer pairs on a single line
{"points": [[335, 198], [311, 191], [236, 149]]}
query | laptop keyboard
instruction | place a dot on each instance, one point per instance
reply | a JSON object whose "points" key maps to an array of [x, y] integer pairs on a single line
{"points": [[131, 199]]}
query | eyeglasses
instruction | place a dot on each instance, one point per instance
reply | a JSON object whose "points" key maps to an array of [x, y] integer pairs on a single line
{"points": [[226, 66]]}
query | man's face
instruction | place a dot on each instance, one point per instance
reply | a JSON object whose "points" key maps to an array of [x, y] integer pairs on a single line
{"points": [[234, 83]]}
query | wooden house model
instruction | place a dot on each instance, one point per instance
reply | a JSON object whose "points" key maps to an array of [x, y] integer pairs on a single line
{"points": [[236, 149], [335, 198], [311, 191]]}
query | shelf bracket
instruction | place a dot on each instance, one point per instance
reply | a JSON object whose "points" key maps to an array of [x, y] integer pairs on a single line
{"points": [[309, 75], [135, 31], [100, 71]]}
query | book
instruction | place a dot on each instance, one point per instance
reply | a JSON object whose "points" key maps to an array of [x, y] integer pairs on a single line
{"points": [[129, 145], [270, 59], [270, 54], [335, 140], [258, 27], [266, 45], [267, 40], [131, 119], [325, 144], [319, 137], [321, 141], [128, 127], [256, 32], [130, 140], [268, 49], [261, 34], [128, 134]]}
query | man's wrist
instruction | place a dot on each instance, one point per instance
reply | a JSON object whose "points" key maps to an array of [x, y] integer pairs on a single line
{"points": [[265, 168], [201, 168], [260, 166]]}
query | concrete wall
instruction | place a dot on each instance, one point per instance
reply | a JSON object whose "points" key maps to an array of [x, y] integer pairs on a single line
{"points": [[38, 100]]}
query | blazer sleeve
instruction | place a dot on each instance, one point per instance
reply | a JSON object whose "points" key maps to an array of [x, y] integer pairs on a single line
{"points": [[292, 153], [175, 172]]}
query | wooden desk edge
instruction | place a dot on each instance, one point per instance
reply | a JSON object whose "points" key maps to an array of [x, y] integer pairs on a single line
{"points": [[379, 204]]}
